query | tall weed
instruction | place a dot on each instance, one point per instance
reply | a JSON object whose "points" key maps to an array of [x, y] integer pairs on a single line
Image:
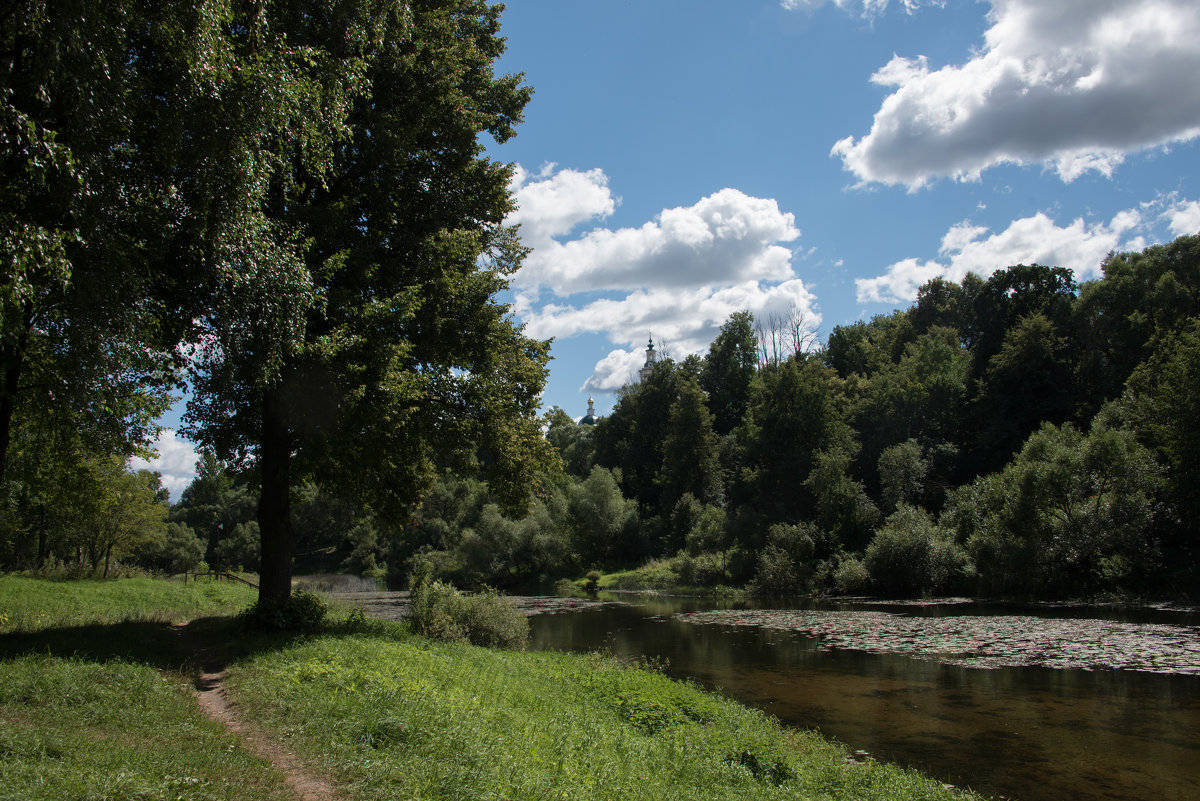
{"points": [[441, 612]]}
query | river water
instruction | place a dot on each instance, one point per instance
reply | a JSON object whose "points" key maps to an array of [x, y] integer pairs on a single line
{"points": [[1032, 703]]}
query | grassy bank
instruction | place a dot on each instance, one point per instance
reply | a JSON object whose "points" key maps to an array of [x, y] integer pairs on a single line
{"points": [[33, 604], [96, 701], [388, 715], [74, 728], [397, 717]]}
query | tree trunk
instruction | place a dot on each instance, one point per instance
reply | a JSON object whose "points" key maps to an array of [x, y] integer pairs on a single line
{"points": [[274, 511]]}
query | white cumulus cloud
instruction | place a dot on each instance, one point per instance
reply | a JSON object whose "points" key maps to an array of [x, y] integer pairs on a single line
{"points": [[680, 275], [1074, 84], [176, 462], [551, 202], [725, 237], [1184, 218], [1038, 239]]}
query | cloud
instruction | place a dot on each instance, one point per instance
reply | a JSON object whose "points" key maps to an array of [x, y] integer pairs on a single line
{"points": [[1073, 84], [725, 237], [176, 462], [1184, 218], [680, 275], [615, 371], [870, 8], [684, 320], [552, 202], [968, 248]]}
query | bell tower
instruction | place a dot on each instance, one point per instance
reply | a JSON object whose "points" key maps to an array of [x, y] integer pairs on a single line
{"points": [[651, 360]]}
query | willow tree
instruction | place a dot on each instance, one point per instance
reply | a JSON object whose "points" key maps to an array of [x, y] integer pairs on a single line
{"points": [[356, 339]]}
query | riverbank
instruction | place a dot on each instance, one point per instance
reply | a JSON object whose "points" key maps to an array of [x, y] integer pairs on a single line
{"points": [[381, 714]]}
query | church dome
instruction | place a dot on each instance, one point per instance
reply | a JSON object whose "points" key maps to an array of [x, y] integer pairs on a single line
{"points": [[590, 418]]}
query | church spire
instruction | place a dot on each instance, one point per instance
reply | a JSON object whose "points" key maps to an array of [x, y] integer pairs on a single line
{"points": [[651, 360]]}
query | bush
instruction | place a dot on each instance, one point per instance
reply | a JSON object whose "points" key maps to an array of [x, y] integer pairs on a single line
{"points": [[300, 611], [776, 573], [850, 577], [911, 556], [441, 612]]}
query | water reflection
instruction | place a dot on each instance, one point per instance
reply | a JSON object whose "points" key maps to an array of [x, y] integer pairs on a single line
{"points": [[1029, 733]]}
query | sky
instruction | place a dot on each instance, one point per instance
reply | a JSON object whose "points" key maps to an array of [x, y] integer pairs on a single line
{"points": [[685, 159]]}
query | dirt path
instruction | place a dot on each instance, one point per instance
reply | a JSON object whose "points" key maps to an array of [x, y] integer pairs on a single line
{"points": [[215, 703]]}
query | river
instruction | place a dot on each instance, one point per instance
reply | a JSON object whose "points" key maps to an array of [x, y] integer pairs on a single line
{"points": [[1032, 703]]}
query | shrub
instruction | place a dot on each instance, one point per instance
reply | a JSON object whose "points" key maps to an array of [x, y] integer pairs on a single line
{"points": [[593, 581], [441, 612], [776, 573], [850, 577], [300, 611], [910, 555]]}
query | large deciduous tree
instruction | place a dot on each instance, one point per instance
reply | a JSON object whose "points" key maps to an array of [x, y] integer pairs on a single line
{"points": [[358, 342]]}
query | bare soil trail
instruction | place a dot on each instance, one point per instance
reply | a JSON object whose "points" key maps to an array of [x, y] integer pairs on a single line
{"points": [[212, 666]]}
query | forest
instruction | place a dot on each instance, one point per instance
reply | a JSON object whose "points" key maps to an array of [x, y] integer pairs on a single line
{"points": [[1019, 436], [291, 212]]}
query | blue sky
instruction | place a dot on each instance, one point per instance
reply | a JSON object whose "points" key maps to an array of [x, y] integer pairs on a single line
{"points": [[684, 159]]}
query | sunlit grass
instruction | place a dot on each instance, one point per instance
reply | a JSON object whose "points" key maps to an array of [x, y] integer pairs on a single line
{"points": [[95, 703], [34, 604], [399, 717], [76, 729]]}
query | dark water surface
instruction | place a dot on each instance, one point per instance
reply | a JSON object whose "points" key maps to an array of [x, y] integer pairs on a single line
{"points": [[1033, 703]]}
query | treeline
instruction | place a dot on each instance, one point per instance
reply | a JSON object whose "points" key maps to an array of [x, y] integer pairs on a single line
{"points": [[1019, 435]]}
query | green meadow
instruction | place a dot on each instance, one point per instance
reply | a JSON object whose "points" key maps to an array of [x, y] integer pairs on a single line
{"points": [[96, 702]]}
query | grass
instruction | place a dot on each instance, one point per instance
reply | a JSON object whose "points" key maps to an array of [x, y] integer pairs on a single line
{"points": [[99, 708], [400, 717], [78, 729], [34, 604], [96, 701]]}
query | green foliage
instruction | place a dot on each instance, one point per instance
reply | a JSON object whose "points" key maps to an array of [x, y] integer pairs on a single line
{"points": [[441, 612], [910, 556], [179, 550], [1162, 406], [902, 471], [1053, 520], [842, 506], [299, 612], [405, 718], [240, 549], [851, 577], [700, 569], [602, 522], [690, 461], [729, 368], [573, 442], [787, 562], [796, 410]]}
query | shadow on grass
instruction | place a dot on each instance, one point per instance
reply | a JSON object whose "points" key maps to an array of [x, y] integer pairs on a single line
{"points": [[206, 644]]}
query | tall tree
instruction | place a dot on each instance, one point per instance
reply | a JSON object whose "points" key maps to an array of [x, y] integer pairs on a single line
{"points": [[86, 217], [796, 409], [364, 348], [691, 463], [728, 369]]}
